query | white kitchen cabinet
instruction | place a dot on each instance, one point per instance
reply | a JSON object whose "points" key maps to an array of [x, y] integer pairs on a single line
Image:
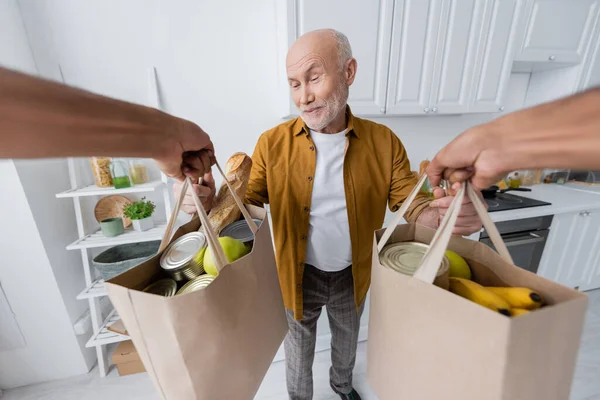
{"points": [[572, 254], [450, 56], [589, 75], [499, 36], [458, 43], [557, 30], [549, 85], [368, 25], [413, 55]]}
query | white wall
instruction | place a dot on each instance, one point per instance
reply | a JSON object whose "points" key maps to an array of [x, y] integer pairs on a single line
{"points": [[51, 349], [216, 62], [48, 349]]}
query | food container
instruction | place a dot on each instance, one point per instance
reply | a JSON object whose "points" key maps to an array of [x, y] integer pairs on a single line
{"points": [[405, 258], [178, 260], [118, 259], [101, 171], [138, 171], [196, 284], [164, 287], [112, 227], [120, 174], [240, 230]]}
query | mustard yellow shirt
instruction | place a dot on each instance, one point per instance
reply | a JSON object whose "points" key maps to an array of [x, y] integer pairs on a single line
{"points": [[376, 173]]}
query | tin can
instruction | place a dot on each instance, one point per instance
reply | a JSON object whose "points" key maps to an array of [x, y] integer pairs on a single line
{"points": [[240, 230], [179, 259], [164, 287], [196, 284], [405, 258]]}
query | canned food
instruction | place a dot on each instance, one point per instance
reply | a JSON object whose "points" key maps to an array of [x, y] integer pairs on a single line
{"points": [[196, 284], [406, 257], [164, 287], [240, 230], [179, 259]]}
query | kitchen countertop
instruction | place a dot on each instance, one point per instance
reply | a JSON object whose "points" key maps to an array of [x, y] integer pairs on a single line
{"points": [[564, 199]]}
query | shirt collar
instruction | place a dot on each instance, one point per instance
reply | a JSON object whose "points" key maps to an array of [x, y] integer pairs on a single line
{"points": [[301, 127]]}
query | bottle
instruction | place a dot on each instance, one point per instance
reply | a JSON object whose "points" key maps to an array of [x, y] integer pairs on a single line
{"points": [[138, 171], [120, 174], [101, 171]]}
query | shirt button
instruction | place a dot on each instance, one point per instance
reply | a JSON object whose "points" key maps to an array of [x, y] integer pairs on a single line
{"points": [[312, 148], [310, 178], [304, 237], [301, 264], [306, 209]]}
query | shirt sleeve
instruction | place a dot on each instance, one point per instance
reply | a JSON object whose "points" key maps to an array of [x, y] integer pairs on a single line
{"points": [[403, 182], [257, 193]]}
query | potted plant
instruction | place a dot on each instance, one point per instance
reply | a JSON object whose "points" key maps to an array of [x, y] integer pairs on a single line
{"points": [[140, 214]]}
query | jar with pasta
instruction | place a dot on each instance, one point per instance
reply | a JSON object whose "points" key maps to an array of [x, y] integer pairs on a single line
{"points": [[138, 171], [101, 171]]}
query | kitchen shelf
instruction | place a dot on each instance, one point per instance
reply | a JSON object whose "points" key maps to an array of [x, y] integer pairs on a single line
{"points": [[93, 190], [104, 336], [96, 289], [97, 239]]}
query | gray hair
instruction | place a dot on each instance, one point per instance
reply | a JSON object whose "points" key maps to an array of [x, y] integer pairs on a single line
{"points": [[343, 47]]}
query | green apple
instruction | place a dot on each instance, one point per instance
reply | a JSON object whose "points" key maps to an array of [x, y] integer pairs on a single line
{"points": [[458, 266], [234, 249]]}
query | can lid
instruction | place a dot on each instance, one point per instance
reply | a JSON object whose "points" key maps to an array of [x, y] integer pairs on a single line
{"points": [[163, 287], [406, 257], [240, 230], [196, 284], [182, 250]]}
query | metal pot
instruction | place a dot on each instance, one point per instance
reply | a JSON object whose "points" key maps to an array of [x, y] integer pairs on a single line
{"points": [[118, 259]]}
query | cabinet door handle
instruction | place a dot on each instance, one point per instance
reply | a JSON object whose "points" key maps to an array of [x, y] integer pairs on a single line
{"points": [[552, 58], [426, 110], [434, 109]]}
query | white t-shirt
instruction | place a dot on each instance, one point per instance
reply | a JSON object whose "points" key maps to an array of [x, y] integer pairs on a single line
{"points": [[329, 247]]}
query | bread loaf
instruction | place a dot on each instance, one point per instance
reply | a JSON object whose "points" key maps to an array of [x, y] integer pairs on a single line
{"points": [[225, 211]]}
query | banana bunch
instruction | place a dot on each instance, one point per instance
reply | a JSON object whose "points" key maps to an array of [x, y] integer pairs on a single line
{"points": [[507, 301]]}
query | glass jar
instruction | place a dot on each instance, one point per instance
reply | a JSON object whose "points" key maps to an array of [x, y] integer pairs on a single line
{"points": [[120, 174], [138, 171], [101, 171]]}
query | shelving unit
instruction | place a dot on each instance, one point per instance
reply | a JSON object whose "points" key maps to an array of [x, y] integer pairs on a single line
{"points": [[91, 237], [97, 239], [93, 190], [104, 336]]}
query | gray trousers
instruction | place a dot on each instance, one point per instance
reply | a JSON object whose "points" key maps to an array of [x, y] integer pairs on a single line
{"points": [[335, 291]]}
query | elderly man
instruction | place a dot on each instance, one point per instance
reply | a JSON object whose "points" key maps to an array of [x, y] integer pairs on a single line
{"points": [[328, 176]]}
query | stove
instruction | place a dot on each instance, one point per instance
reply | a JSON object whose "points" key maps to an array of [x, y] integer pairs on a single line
{"points": [[506, 201]]}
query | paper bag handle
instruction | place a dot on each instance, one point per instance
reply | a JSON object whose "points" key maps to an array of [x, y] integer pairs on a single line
{"points": [[400, 213], [211, 236], [433, 257]]}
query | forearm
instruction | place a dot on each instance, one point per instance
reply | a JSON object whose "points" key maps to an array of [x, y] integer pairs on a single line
{"points": [[40, 118], [561, 134]]}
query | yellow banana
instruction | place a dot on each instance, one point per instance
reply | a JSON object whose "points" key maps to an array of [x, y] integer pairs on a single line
{"points": [[519, 311], [475, 292], [519, 297]]}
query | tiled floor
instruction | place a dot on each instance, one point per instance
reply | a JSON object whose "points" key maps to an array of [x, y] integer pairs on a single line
{"points": [[586, 384]]}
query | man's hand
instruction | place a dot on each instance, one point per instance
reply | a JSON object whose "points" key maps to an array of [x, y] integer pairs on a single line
{"points": [[190, 153], [468, 221], [475, 154], [206, 193]]}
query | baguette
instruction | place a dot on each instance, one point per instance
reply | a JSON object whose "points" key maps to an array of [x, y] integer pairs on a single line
{"points": [[225, 211]]}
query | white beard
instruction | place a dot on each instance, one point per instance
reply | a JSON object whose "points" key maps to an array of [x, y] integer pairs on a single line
{"points": [[331, 108]]}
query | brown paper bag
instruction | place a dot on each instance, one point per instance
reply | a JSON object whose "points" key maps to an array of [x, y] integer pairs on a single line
{"points": [[215, 343], [428, 343]]}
